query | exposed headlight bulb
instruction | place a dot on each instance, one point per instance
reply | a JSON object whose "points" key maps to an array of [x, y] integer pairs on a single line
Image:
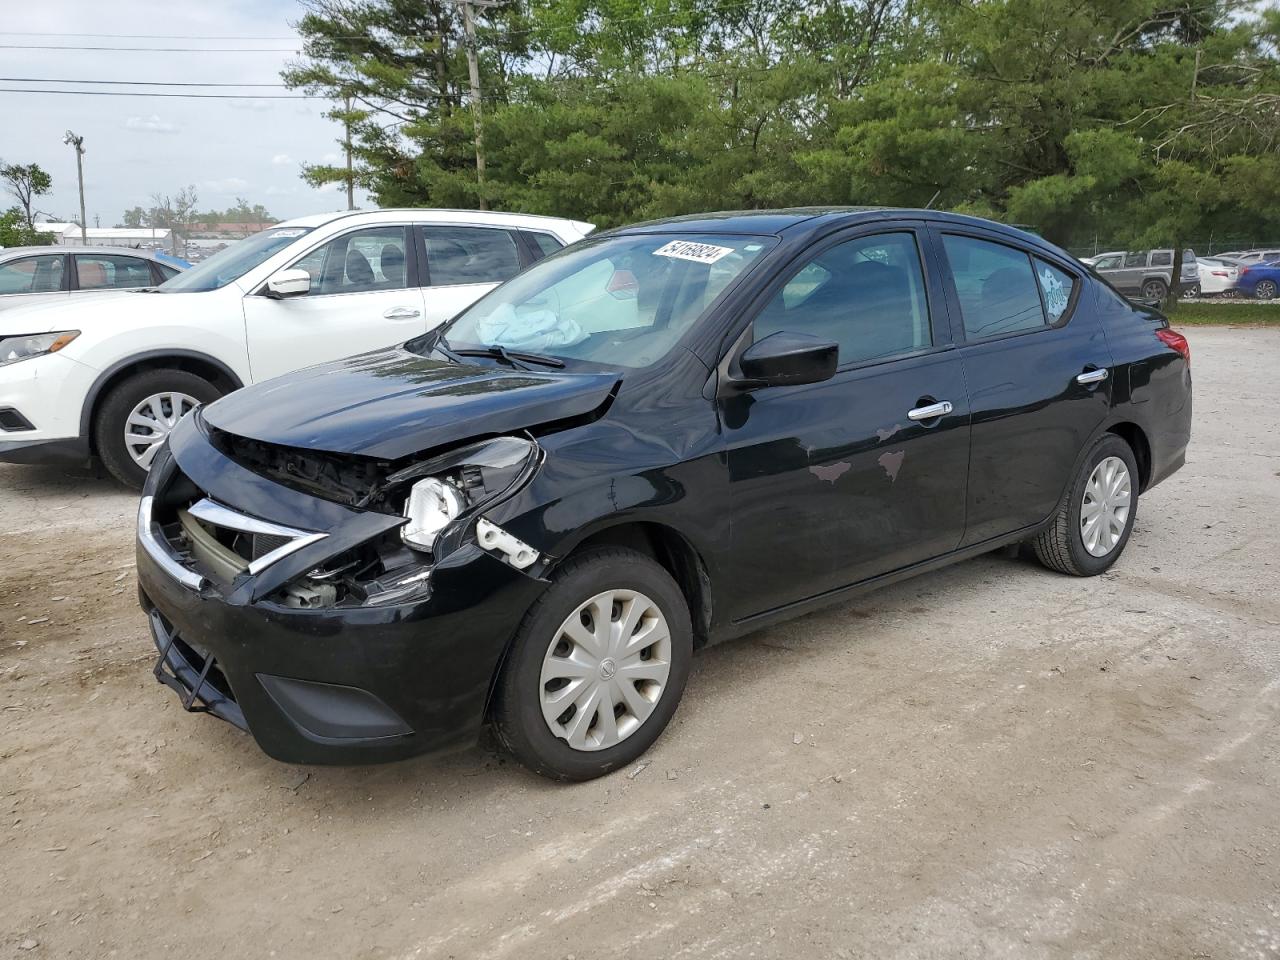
{"points": [[432, 505]]}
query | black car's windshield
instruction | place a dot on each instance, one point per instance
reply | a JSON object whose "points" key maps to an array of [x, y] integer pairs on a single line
{"points": [[233, 262], [621, 301]]}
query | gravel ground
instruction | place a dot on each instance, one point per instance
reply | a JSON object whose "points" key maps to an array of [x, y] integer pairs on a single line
{"points": [[991, 761]]}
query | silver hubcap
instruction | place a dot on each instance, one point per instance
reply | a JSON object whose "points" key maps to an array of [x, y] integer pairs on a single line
{"points": [[1104, 511], [605, 670], [151, 421]]}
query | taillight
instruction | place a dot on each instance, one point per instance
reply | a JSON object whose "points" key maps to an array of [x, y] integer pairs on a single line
{"points": [[1175, 340], [1220, 273], [1244, 270]]}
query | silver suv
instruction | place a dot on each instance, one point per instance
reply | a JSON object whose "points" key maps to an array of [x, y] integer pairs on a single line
{"points": [[1144, 273]]}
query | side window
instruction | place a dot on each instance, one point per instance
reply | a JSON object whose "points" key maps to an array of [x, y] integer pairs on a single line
{"points": [[33, 275], [1136, 259], [1056, 287], [867, 295], [357, 262], [997, 289], [166, 272], [1162, 258], [1108, 263], [104, 272], [544, 243], [458, 255]]}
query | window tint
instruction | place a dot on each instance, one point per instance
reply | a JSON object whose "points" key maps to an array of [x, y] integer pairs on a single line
{"points": [[102, 272], [1136, 259], [470, 255], [545, 243], [867, 295], [168, 273], [357, 262], [1108, 263], [997, 290], [33, 275], [1056, 287], [1162, 258]]}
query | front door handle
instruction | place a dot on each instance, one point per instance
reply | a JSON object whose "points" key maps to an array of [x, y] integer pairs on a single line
{"points": [[931, 412], [402, 313], [1093, 376]]}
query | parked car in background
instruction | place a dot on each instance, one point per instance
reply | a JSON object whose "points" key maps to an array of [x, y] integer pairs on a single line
{"points": [[1145, 273], [112, 375], [1217, 276], [1259, 280], [48, 274], [663, 437], [1256, 256]]}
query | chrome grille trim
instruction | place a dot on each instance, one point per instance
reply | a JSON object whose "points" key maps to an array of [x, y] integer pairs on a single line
{"points": [[159, 551], [220, 516]]}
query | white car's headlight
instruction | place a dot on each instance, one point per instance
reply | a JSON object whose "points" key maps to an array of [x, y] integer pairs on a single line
{"points": [[13, 349], [460, 482]]}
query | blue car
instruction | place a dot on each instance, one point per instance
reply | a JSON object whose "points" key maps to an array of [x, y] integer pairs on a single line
{"points": [[1259, 280]]}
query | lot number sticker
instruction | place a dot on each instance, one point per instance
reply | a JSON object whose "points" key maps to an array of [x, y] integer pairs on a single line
{"points": [[697, 252]]}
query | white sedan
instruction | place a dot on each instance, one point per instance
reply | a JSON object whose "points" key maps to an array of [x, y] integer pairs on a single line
{"points": [[112, 374], [1217, 276]]}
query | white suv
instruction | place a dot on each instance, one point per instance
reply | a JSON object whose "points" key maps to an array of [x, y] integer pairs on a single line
{"points": [[110, 375]]}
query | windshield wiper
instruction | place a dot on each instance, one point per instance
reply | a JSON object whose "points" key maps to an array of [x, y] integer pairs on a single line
{"points": [[517, 359], [442, 345]]}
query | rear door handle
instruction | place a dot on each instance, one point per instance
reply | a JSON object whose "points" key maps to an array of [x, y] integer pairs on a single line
{"points": [[931, 412], [1093, 376], [402, 313]]}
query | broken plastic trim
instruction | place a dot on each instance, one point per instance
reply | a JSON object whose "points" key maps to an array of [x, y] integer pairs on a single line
{"points": [[514, 551]]}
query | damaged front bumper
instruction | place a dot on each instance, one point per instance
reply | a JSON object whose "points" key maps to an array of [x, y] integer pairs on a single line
{"points": [[348, 682]]}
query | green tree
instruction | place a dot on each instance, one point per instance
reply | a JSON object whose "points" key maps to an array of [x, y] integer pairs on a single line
{"points": [[15, 231], [26, 182]]}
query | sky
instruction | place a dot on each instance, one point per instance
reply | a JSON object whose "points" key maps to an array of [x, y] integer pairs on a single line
{"points": [[136, 146]]}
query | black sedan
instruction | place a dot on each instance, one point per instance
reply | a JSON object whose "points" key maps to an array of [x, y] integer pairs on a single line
{"points": [[654, 440]]}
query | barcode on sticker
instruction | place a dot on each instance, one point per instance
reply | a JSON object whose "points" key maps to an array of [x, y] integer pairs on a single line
{"points": [[688, 250]]}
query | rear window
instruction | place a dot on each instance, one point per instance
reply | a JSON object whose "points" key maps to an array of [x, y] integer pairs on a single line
{"points": [[997, 288], [1162, 258]]}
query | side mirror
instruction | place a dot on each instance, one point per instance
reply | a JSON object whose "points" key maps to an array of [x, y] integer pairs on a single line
{"points": [[786, 358], [288, 283]]}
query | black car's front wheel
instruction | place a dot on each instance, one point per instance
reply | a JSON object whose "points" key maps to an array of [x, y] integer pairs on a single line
{"points": [[1095, 518], [597, 667]]}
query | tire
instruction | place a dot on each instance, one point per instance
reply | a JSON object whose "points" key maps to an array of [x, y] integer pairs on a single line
{"points": [[124, 399], [1191, 291], [1155, 290], [520, 717], [1265, 290], [1061, 545]]}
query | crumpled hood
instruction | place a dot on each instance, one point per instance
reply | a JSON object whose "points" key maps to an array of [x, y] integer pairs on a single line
{"points": [[392, 403], [78, 311]]}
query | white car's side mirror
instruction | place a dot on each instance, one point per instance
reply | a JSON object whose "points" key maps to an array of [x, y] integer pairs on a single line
{"points": [[288, 283]]}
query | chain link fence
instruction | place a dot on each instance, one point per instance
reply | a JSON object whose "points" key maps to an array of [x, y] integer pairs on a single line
{"points": [[1206, 247]]}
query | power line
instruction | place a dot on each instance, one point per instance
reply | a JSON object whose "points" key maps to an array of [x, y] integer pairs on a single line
{"points": [[149, 93], [138, 36], [137, 83], [34, 46]]}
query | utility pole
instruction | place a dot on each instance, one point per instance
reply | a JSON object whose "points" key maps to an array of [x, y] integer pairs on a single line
{"points": [[351, 182], [473, 67], [72, 140]]}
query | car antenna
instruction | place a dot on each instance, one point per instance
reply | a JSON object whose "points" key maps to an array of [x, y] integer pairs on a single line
{"points": [[929, 205]]}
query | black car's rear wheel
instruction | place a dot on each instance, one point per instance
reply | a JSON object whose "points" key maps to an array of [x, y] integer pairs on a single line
{"points": [[597, 667], [1095, 518]]}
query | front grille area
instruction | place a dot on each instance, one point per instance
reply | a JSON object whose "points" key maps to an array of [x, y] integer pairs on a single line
{"points": [[215, 541], [348, 480]]}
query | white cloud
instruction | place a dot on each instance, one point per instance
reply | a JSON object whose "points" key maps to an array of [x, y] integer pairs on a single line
{"points": [[151, 124], [282, 160], [229, 185]]}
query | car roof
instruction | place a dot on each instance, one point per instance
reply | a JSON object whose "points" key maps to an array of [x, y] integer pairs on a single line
{"points": [[790, 220], [8, 252], [530, 221]]}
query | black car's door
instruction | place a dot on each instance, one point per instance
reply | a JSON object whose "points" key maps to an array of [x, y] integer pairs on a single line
{"points": [[1036, 363], [835, 482]]}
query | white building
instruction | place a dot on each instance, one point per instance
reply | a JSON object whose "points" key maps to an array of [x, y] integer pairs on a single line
{"points": [[69, 233]]}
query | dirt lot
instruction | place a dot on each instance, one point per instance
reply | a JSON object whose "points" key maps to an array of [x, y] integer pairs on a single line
{"points": [[994, 761]]}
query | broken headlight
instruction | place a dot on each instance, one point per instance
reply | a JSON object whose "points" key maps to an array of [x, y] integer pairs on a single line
{"points": [[460, 483]]}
